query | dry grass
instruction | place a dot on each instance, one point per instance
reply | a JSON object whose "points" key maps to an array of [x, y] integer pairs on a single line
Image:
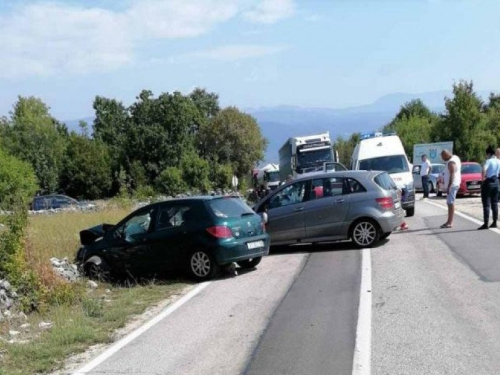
{"points": [[91, 318]]}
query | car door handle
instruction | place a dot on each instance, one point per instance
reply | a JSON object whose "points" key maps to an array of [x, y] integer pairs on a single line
{"points": [[299, 209]]}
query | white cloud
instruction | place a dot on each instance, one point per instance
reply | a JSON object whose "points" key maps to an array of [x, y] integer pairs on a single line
{"points": [[234, 52], [47, 38], [271, 11]]}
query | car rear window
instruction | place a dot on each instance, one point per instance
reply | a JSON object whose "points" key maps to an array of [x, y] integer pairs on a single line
{"points": [[385, 181], [229, 207], [391, 164]]}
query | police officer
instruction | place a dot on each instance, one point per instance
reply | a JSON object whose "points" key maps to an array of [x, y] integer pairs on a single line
{"points": [[489, 188]]}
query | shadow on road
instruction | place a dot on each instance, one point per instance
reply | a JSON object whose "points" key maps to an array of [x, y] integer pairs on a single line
{"points": [[308, 248]]}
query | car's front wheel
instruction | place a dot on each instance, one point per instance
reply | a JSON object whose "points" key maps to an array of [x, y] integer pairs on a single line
{"points": [[249, 263], [96, 268], [365, 233], [202, 265]]}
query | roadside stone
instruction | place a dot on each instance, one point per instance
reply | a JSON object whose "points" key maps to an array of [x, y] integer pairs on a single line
{"points": [[45, 325], [65, 269], [25, 326], [108, 291], [14, 333], [92, 284], [7, 296]]}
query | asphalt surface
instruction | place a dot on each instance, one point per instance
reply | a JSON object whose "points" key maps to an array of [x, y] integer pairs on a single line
{"points": [[436, 310]]}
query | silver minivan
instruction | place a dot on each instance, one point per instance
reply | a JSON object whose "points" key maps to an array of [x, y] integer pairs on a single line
{"points": [[364, 206]]}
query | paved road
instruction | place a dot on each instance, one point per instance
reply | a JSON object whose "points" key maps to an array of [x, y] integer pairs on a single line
{"points": [[436, 310]]}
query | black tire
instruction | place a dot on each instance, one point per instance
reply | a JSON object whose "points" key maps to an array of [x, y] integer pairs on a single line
{"points": [[202, 266], [410, 211], [365, 233], [439, 194], [385, 235], [249, 263], [97, 268]]}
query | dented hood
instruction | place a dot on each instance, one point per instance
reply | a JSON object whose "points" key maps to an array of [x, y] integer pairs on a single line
{"points": [[90, 235]]}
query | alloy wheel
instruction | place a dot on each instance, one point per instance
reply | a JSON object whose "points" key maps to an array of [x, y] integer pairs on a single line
{"points": [[364, 233], [200, 264]]}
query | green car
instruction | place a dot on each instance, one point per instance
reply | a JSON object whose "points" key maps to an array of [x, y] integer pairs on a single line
{"points": [[197, 234]]}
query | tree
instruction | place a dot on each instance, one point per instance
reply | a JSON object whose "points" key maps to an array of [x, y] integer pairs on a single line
{"points": [[206, 102], [234, 138], [346, 147], [160, 131], [170, 181], [413, 130], [195, 172], [34, 136], [464, 123], [18, 182], [87, 169]]}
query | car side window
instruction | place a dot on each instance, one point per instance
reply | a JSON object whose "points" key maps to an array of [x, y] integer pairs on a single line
{"points": [[353, 186], [292, 194], [137, 226], [326, 187], [174, 216]]}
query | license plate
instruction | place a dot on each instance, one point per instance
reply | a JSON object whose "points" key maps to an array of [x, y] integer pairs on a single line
{"points": [[397, 205], [255, 245], [474, 186]]}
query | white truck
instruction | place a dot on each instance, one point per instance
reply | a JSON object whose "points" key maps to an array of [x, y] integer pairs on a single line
{"points": [[305, 154], [385, 152], [269, 176]]}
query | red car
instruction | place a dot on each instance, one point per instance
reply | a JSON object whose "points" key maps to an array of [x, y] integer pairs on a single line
{"points": [[471, 179]]}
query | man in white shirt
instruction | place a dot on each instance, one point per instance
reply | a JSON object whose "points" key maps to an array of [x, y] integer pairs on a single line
{"points": [[452, 180], [425, 171]]}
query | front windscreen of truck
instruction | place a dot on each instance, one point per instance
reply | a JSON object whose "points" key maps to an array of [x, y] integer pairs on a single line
{"points": [[314, 158], [390, 164], [273, 176]]}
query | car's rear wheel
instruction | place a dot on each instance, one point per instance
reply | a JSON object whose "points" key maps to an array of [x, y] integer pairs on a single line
{"points": [[96, 268], [410, 211], [249, 263], [202, 266], [365, 233]]}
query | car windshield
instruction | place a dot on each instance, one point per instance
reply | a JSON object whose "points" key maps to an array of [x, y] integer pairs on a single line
{"points": [[229, 207], [437, 168], [307, 158], [471, 168], [390, 164]]}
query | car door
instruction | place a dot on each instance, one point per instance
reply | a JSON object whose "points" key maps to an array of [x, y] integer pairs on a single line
{"points": [[131, 246], [285, 213], [417, 180], [327, 207], [170, 237]]}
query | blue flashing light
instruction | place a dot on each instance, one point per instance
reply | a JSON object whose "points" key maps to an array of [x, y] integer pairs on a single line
{"points": [[376, 134]]}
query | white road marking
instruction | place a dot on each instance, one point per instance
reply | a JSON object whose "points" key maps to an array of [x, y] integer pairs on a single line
{"points": [[362, 352], [139, 331], [465, 216]]}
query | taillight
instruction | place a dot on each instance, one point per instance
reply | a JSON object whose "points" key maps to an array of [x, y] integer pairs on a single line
{"points": [[386, 203], [220, 231]]}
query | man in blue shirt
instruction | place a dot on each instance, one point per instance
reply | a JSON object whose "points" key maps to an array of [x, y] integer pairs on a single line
{"points": [[489, 188]]}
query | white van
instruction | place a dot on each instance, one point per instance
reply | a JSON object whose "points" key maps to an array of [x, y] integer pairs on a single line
{"points": [[377, 151]]}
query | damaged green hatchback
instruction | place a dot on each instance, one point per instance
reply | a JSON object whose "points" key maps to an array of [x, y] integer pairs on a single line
{"points": [[195, 234]]}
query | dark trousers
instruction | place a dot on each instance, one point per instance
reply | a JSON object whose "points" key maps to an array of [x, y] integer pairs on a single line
{"points": [[489, 197], [425, 186]]}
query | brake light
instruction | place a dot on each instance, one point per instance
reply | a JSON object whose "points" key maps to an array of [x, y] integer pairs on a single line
{"points": [[386, 203], [220, 231]]}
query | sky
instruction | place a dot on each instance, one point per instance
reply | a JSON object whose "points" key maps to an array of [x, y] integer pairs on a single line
{"points": [[253, 53]]}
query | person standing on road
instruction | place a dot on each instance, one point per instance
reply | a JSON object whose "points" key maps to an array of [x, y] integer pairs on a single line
{"points": [[489, 188], [452, 179], [425, 171]]}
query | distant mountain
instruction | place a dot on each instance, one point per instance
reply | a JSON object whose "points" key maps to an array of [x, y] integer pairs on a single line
{"points": [[281, 122]]}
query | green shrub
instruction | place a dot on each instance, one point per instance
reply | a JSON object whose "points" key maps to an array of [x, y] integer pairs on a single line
{"points": [[92, 307], [171, 182]]}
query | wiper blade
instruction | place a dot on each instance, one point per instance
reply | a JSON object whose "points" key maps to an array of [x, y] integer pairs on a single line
{"points": [[247, 214]]}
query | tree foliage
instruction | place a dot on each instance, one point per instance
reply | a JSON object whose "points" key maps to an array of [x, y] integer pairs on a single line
{"points": [[86, 169], [233, 138], [345, 148], [34, 136]]}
